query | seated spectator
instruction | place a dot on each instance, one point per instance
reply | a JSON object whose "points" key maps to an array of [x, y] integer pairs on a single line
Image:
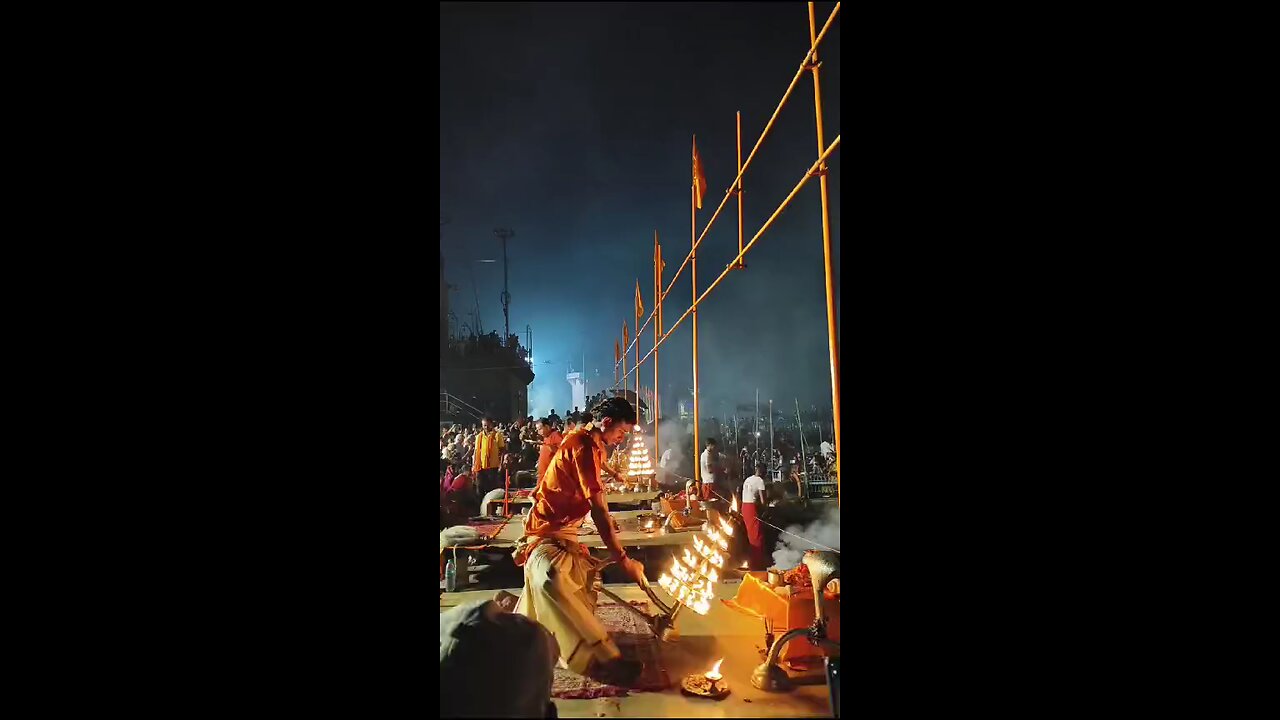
{"points": [[458, 499], [475, 636]]}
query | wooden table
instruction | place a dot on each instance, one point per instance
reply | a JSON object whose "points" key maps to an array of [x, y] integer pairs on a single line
{"points": [[611, 498], [514, 530]]}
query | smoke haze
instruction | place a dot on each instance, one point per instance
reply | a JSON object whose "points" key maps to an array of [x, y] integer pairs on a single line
{"points": [[825, 530]]}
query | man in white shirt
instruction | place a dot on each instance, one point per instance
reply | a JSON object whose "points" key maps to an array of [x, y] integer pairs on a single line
{"points": [[753, 496], [828, 450], [668, 464], [710, 464]]}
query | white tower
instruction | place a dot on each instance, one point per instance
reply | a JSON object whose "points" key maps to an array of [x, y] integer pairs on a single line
{"points": [[578, 381]]}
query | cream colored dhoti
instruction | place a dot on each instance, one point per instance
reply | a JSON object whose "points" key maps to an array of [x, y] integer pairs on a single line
{"points": [[559, 577]]}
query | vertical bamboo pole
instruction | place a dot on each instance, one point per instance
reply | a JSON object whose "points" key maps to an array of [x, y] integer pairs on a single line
{"points": [[770, 463], [826, 254], [657, 336], [637, 359], [756, 442], [741, 263], [693, 244], [804, 461]]}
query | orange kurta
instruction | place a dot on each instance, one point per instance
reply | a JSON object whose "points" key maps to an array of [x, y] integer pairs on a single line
{"points": [[550, 444], [563, 496]]}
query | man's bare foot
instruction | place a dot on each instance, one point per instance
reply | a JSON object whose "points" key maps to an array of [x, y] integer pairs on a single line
{"points": [[506, 600]]}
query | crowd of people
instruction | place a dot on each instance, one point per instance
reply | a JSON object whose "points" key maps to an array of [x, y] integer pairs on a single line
{"points": [[476, 461], [553, 620]]}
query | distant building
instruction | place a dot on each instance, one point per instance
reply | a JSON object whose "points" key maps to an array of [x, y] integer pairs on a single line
{"points": [[481, 375]]}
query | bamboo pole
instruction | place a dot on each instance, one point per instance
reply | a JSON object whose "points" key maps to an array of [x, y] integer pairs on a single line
{"points": [[826, 253], [697, 430], [637, 358], [747, 248], [804, 462], [741, 172], [657, 332], [739, 193]]}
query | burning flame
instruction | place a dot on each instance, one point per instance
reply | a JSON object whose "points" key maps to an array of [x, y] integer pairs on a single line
{"points": [[734, 506], [714, 673], [744, 565]]}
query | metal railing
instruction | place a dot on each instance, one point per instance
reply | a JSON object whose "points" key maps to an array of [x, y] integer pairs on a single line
{"points": [[452, 404]]}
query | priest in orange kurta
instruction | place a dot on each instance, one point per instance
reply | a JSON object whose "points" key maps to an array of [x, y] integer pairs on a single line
{"points": [[559, 573]]}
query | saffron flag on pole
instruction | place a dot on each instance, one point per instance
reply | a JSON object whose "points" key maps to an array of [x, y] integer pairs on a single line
{"points": [[639, 303], [617, 358], [699, 176], [626, 336], [657, 257]]}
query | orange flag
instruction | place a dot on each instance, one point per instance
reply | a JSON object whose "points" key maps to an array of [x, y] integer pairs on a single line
{"points": [[657, 257], [617, 358], [626, 336], [639, 303], [699, 176]]}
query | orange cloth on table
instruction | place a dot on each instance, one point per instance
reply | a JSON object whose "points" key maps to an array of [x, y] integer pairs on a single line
{"points": [[550, 444], [489, 447], [562, 497], [788, 612]]}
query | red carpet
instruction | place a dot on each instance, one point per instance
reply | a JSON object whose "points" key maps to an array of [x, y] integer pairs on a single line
{"points": [[636, 643]]}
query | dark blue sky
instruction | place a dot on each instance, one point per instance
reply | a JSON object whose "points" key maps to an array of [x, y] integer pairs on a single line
{"points": [[571, 124]]}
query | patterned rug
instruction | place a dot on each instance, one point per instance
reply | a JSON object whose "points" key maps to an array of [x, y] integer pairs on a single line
{"points": [[636, 643]]}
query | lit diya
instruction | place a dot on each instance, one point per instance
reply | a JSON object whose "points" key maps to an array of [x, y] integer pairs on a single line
{"points": [[710, 684]]}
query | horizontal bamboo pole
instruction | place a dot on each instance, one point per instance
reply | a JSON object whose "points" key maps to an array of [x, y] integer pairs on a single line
{"points": [[729, 192], [813, 171]]}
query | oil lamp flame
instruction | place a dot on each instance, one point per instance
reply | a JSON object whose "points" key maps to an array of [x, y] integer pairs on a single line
{"points": [[734, 506], [714, 673]]}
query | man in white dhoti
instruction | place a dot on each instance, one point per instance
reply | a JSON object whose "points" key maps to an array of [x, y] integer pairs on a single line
{"points": [[559, 573]]}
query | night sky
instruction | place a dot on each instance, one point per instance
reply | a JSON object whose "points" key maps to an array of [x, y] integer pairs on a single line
{"points": [[571, 124]]}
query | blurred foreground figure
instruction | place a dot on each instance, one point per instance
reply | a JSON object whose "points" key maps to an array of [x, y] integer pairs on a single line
{"points": [[478, 638], [559, 573]]}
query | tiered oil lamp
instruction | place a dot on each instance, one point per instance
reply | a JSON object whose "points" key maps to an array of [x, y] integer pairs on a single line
{"points": [[692, 574]]}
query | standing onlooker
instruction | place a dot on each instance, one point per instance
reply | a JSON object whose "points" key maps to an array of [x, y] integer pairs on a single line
{"points": [[710, 467], [488, 457], [551, 439], [753, 494], [668, 464]]}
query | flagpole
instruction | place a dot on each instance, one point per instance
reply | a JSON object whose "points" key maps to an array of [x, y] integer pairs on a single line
{"points": [[826, 254], [770, 433], [693, 255], [756, 442], [741, 264], [657, 335], [637, 351], [804, 462]]}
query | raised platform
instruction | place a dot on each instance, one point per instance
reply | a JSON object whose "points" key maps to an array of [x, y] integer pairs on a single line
{"points": [[722, 633]]}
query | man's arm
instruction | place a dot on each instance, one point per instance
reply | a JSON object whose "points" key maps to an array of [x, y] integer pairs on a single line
{"points": [[600, 515], [589, 478]]}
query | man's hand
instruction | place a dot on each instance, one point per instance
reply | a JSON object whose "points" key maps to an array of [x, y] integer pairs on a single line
{"points": [[634, 569]]}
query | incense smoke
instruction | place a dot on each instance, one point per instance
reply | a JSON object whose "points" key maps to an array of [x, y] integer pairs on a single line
{"points": [[825, 530]]}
